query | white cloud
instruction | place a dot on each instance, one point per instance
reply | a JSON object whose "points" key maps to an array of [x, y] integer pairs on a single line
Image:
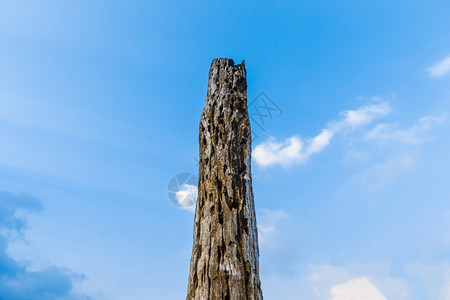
{"points": [[357, 281], [356, 289], [187, 196], [440, 69], [320, 141], [365, 114], [416, 134], [271, 152], [295, 151]]}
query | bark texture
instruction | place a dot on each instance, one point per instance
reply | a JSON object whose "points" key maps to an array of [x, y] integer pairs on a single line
{"points": [[225, 254]]}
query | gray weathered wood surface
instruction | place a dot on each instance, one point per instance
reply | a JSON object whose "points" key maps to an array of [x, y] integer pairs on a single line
{"points": [[224, 263]]}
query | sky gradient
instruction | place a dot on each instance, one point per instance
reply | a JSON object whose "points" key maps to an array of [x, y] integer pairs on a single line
{"points": [[99, 109]]}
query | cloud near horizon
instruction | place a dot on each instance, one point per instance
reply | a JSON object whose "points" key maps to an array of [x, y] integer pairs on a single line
{"points": [[296, 151], [16, 281]]}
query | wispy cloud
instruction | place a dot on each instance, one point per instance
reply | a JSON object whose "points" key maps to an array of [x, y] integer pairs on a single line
{"points": [[434, 276], [363, 115], [267, 227], [274, 227], [295, 151], [16, 281], [440, 69], [381, 174], [416, 134]]}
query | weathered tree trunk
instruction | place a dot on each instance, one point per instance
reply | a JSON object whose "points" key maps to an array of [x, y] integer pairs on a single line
{"points": [[224, 263]]}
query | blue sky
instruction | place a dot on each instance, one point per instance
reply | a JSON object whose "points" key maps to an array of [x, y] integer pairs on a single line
{"points": [[99, 109]]}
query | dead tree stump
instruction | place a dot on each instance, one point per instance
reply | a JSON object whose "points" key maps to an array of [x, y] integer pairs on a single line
{"points": [[225, 254]]}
